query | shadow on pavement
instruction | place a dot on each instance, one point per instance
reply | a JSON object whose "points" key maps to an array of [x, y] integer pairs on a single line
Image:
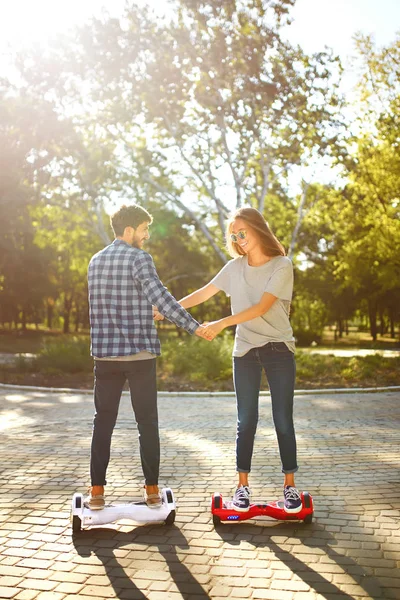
{"points": [[317, 582], [102, 542]]}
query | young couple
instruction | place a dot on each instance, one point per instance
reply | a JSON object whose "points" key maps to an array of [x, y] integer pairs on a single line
{"points": [[124, 288]]}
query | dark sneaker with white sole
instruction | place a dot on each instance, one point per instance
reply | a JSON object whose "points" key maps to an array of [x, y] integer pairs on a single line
{"points": [[292, 502], [241, 499]]}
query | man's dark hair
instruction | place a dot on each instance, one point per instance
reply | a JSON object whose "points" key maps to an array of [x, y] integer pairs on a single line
{"points": [[129, 216]]}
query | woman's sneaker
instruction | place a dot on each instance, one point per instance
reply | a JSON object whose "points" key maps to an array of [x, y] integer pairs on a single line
{"points": [[292, 503], [241, 499]]}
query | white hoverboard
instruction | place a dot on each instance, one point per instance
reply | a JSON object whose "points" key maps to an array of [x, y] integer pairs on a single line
{"points": [[139, 512]]}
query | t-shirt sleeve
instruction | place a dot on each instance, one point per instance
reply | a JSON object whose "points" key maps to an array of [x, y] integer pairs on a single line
{"points": [[280, 284], [222, 280]]}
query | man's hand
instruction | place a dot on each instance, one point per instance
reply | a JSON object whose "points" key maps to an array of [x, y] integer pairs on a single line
{"points": [[201, 332], [157, 316]]}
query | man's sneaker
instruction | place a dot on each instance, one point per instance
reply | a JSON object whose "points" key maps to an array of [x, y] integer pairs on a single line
{"points": [[152, 500], [241, 499], [292, 503], [95, 499]]}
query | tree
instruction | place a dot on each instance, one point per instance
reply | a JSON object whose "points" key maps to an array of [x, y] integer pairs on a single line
{"points": [[23, 277], [205, 111]]}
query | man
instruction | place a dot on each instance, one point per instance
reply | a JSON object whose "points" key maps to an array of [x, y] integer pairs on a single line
{"points": [[123, 286]]}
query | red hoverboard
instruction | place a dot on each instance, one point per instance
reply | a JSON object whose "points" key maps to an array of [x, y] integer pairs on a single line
{"points": [[223, 511]]}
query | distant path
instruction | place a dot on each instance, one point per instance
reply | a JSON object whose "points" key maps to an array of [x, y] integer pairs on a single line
{"points": [[7, 358], [349, 352]]}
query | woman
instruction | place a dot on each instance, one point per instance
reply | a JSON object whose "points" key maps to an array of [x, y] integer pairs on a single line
{"points": [[259, 281]]}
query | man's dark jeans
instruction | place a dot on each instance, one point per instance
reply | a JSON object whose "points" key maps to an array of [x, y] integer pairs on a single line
{"points": [[110, 377], [280, 368]]}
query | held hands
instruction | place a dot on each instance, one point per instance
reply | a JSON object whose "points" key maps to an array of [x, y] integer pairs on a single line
{"points": [[157, 316], [213, 328], [202, 332], [207, 331]]}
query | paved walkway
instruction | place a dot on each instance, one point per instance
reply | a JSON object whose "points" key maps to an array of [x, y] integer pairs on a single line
{"points": [[349, 352], [349, 454]]}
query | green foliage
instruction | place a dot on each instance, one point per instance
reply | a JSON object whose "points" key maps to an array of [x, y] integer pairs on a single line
{"points": [[197, 360], [191, 117], [68, 355], [329, 371]]}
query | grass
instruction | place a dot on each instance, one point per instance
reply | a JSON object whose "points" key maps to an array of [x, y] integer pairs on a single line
{"points": [[327, 371], [358, 339]]}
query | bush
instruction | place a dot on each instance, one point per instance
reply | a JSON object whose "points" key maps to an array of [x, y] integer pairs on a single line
{"points": [[196, 359], [71, 355], [313, 366]]}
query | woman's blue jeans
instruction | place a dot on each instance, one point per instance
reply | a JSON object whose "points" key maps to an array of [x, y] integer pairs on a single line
{"points": [[280, 368]]}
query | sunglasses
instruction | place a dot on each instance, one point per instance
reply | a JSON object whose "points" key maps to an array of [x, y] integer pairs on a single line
{"points": [[240, 235]]}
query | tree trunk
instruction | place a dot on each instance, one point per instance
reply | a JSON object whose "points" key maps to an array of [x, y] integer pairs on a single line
{"points": [[23, 320], [372, 313], [382, 322], [67, 313], [50, 314], [77, 317], [391, 321], [340, 326]]}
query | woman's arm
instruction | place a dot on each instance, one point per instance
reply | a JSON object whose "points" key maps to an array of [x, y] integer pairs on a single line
{"points": [[199, 296], [254, 311]]}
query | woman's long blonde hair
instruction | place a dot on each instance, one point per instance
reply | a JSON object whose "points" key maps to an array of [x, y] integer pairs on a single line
{"points": [[270, 244]]}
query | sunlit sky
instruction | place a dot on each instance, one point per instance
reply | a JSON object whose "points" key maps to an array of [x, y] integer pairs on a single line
{"points": [[316, 22]]}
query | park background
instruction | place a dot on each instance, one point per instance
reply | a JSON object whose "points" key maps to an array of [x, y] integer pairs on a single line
{"points": [[193, 109]]}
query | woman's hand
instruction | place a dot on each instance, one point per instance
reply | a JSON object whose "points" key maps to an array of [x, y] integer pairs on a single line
{"points": [[214, 328], [157, 316]]}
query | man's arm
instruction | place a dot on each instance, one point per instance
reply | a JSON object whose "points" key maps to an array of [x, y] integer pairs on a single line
{"points": [[198, 297], [159, 296]]}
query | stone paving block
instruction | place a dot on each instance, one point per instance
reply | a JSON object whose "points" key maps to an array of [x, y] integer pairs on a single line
{"points": [[27, 595], [98, 592], [164, 596], [8, 592], [9, 581], [241, 593], [261, 594], [10, 571], [220, 591], [285, 585], [50, 596], [38, 584], [229, 571], [69, 588], [34, 563]]}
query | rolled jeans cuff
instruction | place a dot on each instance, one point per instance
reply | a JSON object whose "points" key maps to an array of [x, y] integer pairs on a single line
{"points": [[288, 471]]}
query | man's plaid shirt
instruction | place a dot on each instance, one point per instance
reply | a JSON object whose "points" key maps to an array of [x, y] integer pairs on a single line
{"points": [[123, 286]]}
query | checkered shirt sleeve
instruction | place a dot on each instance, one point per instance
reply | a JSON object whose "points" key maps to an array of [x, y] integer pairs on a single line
{"points": [[159, 296], [123, 285]]}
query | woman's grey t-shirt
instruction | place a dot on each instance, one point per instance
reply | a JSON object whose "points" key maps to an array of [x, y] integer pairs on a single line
{"points": [[246, 285]]}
